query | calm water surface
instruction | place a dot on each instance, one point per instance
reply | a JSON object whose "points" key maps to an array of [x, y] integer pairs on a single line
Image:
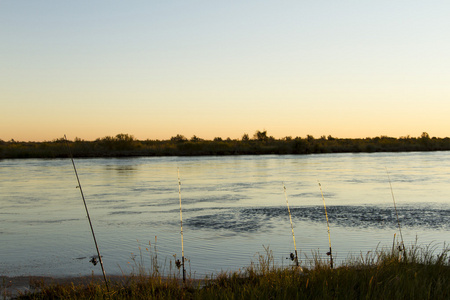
{"points": [[233, 208]]}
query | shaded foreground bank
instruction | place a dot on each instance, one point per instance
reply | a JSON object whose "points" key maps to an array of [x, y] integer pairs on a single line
{"points": [[418, 273], [124, 145]]}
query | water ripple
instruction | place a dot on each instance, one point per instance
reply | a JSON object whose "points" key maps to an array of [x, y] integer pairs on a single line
{"points": [[256, 219]]}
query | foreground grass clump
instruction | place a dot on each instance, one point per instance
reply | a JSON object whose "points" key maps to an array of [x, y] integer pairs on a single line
{"points": [[418, 273]]}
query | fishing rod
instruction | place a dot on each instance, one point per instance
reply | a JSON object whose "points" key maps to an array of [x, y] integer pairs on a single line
{"points": [[295, 258], [328, 226], [181, 226], [89, 218], [396, 212]]}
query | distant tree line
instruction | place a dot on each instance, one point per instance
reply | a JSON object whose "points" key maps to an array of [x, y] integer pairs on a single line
{"points": [[260, 143]]}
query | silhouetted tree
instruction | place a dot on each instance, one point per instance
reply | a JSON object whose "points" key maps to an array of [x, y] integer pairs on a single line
{"points": [[178, 138], [261, 135], [425, 136], [195, 138]]}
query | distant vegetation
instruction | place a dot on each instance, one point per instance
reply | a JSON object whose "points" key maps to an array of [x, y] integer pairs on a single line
{"points": [[126, 145]]}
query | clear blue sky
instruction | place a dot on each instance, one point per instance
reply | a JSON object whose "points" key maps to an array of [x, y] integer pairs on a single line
{"points": [[155, 69]]}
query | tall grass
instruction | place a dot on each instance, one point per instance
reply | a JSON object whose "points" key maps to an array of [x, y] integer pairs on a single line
{"points": [[422, 274]]}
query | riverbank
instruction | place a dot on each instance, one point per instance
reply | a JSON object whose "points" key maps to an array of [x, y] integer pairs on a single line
{"points": [[124, 145], [12, 287], [417, 273]]}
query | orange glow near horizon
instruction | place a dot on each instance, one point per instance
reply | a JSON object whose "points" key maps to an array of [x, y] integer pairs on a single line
{"points": [[157, 70]]}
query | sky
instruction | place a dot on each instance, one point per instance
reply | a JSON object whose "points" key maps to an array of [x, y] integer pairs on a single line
{"points": [[155, 69]]}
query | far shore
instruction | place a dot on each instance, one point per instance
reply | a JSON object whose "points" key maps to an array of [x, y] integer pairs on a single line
{"points": [[124, 145]]}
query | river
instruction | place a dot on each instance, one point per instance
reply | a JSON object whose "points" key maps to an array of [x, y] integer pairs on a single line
{"points": [[234, 209]]}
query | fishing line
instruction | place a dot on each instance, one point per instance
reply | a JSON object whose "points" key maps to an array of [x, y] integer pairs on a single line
{"points": [[292, 226], [181, 225], [396, 212], [328, 225], [87, 213]]}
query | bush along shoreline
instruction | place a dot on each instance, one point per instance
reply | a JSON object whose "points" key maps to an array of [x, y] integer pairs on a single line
{"points": [[412, 273], [125, 145]]}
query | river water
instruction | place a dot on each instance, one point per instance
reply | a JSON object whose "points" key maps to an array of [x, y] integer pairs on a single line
{"points": [[234, 208]]}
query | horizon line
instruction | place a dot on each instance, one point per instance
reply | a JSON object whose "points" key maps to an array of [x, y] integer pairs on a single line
{"points": [[250, 137]]}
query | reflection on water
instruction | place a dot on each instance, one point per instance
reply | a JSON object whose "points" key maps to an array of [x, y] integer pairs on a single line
{"points": [[232, 207]]}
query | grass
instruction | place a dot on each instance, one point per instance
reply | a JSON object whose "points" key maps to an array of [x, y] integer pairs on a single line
{"points": [[382, 274]]}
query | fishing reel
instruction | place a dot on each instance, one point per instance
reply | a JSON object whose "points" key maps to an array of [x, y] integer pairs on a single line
{"points": [[178, 264], [94, 260], [291, 257]]}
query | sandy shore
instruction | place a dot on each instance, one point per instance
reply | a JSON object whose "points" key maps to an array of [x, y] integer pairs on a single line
{"points": [[11, 287]]}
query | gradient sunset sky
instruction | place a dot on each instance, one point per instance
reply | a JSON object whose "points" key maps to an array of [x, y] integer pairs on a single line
{"points": [[155, 69]]}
